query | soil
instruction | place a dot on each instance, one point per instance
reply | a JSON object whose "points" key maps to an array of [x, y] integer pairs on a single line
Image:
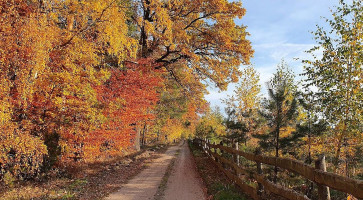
{"points": [[145, 185], [185, 182]]}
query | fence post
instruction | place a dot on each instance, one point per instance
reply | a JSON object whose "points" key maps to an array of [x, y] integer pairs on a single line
{"points": [[215, 151], [323, 191], [222, 153], [236, 156], [221, 143], [259, 172], [205, 145]]}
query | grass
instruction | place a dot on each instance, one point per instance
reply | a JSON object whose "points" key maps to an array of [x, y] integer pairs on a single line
{"points": [[219, 187], [162, 187], [226, 192]]}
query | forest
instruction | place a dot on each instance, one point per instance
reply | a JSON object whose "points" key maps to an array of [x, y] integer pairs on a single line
{"points": [[86, 80]]}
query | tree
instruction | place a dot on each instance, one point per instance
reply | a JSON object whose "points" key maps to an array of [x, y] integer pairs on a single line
{"points": [[311, 126], [280, 109], [179, 105], [210, 125], [75, 82], [201, 37], [51, 57], [338, 74], [243, 105], [126, 98], [236, 130]]}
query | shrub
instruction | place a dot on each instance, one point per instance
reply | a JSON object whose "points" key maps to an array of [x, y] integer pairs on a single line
{"points": [[21, 154]]}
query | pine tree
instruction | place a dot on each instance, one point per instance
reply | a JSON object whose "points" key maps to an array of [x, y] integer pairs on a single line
{"points": [[279, 109]]}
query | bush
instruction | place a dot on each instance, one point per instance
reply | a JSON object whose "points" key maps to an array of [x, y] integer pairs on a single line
{"points": [[21, 155]]}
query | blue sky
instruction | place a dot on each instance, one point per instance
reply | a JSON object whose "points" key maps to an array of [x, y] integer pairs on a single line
{"points": [[280, 29]]}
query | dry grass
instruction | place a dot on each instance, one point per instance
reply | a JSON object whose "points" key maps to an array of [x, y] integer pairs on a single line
{"points": [[219, 187]]}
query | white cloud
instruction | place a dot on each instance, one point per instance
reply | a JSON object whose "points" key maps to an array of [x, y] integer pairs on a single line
{"points": [[279, 29]]}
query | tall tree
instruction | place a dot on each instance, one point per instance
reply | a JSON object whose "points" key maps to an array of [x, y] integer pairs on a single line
{"points": [[199, 36], [51, 58], [338, 74], [279, 109], [243, 105]]}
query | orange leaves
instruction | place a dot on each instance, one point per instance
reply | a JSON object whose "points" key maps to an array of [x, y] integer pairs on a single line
{"points": [[51, 59], [127, 98], [68, 81], [201, 33]]}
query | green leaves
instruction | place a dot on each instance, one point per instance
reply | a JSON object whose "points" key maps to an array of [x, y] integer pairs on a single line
{"points": [[338, 73]]}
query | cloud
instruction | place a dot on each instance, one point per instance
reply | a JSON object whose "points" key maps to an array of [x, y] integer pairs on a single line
{"points": [[279, 29]]}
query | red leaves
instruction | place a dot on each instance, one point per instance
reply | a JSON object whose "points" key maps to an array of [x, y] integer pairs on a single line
{"points": [[128, 97]]}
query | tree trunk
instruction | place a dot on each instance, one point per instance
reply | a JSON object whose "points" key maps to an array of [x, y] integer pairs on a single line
{"points": [[137, 138], [143, 135], [277, 152], [278, 126]]}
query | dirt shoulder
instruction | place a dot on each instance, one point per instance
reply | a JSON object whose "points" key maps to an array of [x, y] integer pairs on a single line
{"points": [[91, 181]]}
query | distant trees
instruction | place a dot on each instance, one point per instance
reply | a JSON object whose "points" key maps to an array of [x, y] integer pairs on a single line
{"points": [[211, 125]]}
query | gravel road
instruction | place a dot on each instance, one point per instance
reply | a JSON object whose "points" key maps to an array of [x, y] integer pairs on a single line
{"points": [[184, 182]]}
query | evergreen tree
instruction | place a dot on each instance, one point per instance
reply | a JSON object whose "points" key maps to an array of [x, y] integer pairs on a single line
{"points": [[279, 109], [236, 129]]}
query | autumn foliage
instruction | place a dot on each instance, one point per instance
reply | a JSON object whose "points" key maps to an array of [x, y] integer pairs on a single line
{"points": [[127, 98], [86, 79]]}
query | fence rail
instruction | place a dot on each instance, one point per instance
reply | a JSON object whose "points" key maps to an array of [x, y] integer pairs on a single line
{"points": [[323, 179]]}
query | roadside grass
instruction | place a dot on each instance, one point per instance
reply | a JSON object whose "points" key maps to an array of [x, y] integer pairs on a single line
{"points": [[219, 187], [162, 187], [226, 191]]}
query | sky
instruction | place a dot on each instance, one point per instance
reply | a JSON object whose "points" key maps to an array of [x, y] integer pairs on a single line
{"points": [[279, 29]]}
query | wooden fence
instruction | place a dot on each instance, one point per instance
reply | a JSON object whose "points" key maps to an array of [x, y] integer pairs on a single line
{"points": [[323, 179]]}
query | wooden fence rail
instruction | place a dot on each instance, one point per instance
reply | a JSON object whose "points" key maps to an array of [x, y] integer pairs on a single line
{"points": [[318, 175]]}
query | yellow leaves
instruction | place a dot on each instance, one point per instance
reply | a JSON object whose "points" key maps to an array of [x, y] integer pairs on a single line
{"points": [[173, 129], [302, 115], [202, 32], [286, 131], [246, 98], [21, 153]]}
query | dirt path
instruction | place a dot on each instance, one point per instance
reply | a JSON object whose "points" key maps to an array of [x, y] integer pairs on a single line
{"points": [[145, 185], [184, 182]]}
